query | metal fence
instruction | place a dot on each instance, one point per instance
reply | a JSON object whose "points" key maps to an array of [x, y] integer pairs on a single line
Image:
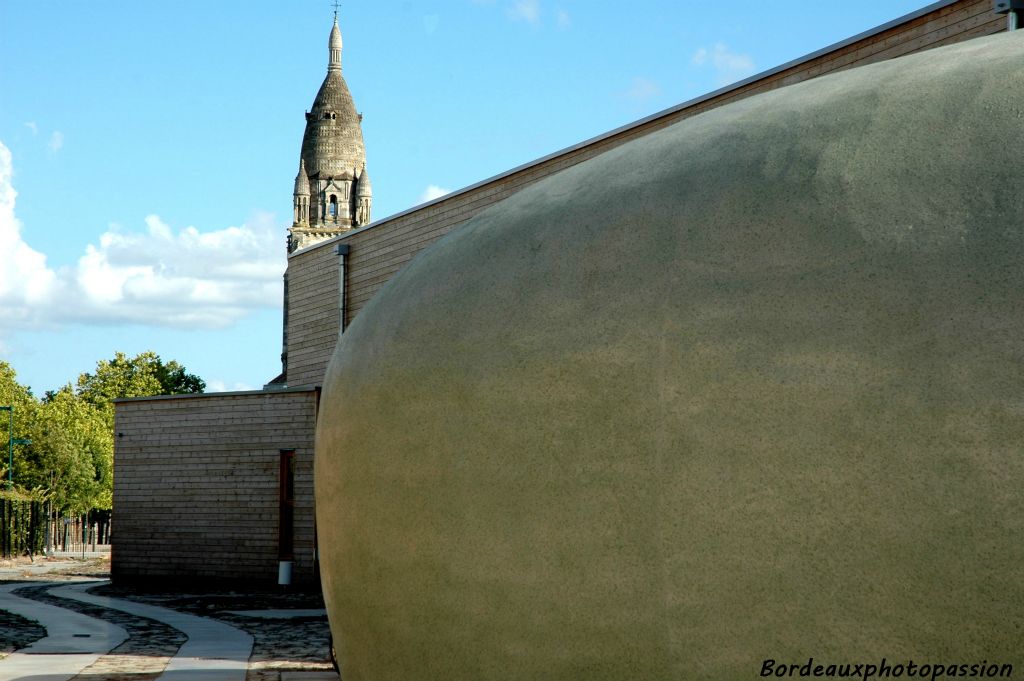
{"points": [[80, 533], [28, 528], [21, 522]]}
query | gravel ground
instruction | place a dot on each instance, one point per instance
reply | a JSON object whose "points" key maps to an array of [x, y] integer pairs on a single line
{"points": [[296, 644]]}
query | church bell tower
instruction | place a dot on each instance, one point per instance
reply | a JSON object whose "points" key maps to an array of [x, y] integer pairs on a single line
{"points": [[332, 191]]}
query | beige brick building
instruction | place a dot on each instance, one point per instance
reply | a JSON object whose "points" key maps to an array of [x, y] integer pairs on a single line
{"points": [[230, 474], [207, 480]]}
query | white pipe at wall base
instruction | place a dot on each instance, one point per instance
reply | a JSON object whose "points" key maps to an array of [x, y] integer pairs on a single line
{"points": [[284, 573]]}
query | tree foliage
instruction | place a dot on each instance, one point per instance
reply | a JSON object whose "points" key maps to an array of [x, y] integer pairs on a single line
{"points": [[72, 453], [15, 395], [139, 376], [71, 458]]}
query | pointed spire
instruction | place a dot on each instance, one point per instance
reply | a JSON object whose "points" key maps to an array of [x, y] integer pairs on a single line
{"points": [[363, 187], [334, 46], [301, 180]]}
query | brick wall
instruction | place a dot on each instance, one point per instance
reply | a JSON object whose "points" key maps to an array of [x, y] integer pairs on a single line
{"points": [[197, 484], [379, 250]]}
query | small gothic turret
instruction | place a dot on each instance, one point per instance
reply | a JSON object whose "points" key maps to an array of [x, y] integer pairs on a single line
{"points": [[363, 183], [301, 196], [364, 197]]}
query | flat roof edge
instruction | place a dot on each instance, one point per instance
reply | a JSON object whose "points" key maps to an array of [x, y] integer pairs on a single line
{"points": [[228, 393]]}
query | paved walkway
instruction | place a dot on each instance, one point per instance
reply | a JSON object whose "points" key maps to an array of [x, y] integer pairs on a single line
{"points": [[279, 614], [214, 651], [73, 641], [284, 635]]}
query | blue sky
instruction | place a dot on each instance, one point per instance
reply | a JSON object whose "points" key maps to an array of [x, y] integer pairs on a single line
{"points": [[148, 150]]}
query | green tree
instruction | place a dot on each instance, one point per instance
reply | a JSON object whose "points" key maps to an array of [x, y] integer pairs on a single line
{"points": [[140, 376], [174, 380], [120, 377], [71, 458], [20, 397], [72, 453]]}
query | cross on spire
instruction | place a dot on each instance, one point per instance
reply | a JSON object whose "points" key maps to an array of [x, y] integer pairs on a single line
{"points": [[336, 4]]}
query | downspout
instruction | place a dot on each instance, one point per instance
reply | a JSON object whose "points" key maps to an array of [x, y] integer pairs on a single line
{"points": [[284, 330], [342, 251]]}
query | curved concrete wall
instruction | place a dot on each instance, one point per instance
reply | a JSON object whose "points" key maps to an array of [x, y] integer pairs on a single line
{"points": [[755, 394]]}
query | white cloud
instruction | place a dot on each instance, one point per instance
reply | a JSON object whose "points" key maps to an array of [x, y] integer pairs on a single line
{"points": [[56, 141], [215, 385], [563, 19], [642, 89], [433, 192], [526, 10], [160, 277], [24, 276], [31, 125], [729, 66], [183, 278]]}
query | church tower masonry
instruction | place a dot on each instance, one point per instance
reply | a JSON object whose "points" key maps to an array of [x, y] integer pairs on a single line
{"points": [[332, 189]]}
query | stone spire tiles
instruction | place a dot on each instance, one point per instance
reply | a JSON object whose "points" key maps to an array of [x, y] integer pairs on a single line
{"points": [[332, 145], [302, 180]]}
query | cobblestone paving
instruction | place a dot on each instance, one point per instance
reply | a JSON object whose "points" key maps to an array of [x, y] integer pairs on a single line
{"points": [[298, 644], [142, 657], [280, 645]]}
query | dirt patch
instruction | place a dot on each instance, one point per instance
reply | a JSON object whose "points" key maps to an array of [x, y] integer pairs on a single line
{"points": [[41, 568]]}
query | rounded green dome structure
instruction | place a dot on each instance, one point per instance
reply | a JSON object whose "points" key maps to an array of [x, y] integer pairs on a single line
{"points": [[747, 388]]}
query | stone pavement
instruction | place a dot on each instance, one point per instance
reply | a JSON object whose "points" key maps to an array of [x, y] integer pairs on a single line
{"points": [[60, 625], [72, 642]]}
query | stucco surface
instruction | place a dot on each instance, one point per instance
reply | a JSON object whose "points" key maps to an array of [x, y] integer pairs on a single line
{"points": [[750, 387]]}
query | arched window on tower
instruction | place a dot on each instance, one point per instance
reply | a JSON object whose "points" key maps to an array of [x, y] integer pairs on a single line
{"points": [[334, 206]]}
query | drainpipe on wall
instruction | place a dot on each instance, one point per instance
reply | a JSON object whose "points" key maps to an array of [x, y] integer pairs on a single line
{"points": [[342, 251], [284, 329], [1014, 11]]}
